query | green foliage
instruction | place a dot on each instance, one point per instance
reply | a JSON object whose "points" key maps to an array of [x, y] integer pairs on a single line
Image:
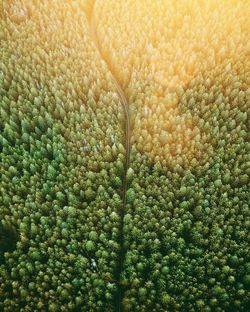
{"points": [[68, 242], [57, 194]]}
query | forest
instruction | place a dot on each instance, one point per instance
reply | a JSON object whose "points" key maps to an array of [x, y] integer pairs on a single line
{"points": [[124, 155]]}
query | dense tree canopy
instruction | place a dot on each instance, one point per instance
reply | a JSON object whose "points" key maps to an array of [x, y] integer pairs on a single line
{"points": [[179, 238]]}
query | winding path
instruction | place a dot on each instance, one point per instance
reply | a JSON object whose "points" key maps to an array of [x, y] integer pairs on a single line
{"points": [[125, 104]]}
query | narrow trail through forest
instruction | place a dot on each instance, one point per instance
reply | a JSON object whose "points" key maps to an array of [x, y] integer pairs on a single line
{"points": [[123, 99]]}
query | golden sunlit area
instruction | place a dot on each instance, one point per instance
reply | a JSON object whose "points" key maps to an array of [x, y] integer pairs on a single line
{"points": [[125, 155]]}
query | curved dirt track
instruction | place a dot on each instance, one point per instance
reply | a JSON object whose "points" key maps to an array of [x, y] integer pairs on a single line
{"points": [[123, 99]]}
